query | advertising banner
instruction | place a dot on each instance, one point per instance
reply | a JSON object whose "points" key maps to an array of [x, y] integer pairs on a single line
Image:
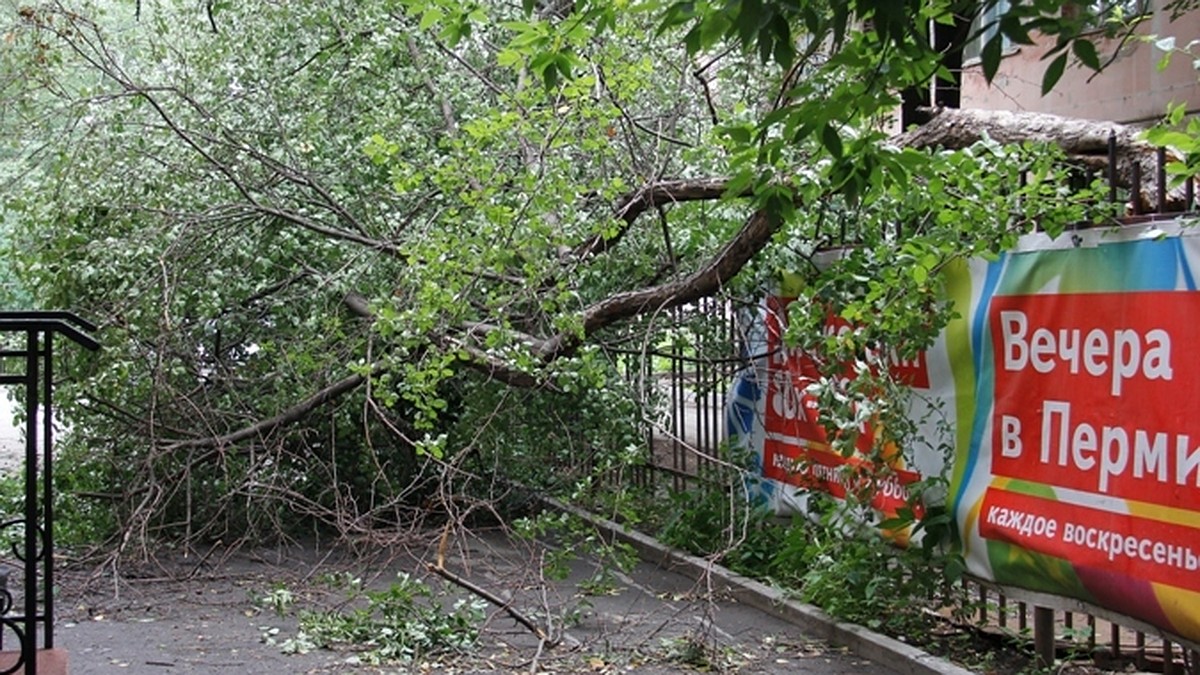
{"points": [[1067, 391]]}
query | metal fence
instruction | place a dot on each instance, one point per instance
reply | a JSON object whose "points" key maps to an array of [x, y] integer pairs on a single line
{"points": [[691, 378]]}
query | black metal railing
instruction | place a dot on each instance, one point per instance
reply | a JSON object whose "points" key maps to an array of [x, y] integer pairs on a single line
{"points": [[27, 357]]}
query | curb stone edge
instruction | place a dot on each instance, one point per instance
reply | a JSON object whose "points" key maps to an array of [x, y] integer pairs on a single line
{"points": [[899, 656]]}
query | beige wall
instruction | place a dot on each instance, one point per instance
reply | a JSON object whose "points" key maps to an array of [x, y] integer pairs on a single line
{"points": [[1130, 90]]}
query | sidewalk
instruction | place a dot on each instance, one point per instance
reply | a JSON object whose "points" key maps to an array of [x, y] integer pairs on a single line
{"points": [[648, 621]]}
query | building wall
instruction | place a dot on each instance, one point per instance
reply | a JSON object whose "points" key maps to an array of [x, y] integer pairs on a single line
{"points": [[1130, 90]]}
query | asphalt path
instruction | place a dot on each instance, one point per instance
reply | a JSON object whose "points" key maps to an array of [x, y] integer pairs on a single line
{"points": [[182, 617]]}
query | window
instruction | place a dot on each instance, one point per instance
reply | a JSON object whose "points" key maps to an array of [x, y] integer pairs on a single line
{"points": [[984, 27], [1100, 13]]}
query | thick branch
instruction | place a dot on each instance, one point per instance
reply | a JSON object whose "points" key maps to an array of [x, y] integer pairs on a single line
{"points": [[648, 197], [719, 270], [291, 415]]}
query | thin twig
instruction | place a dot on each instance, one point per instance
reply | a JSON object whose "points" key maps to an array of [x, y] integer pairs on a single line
{"points": [[503, 605]]}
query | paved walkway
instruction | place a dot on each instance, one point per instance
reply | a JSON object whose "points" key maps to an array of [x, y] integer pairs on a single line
{"points": [[648, 621]]}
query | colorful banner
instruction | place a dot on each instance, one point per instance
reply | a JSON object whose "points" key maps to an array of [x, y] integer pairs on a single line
{"points": [[1069, 393]]}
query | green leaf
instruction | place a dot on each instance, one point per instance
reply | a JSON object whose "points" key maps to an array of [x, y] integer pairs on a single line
{"points": [[1166, 137], [1085, 51], [831, 140], [736, 133], [676, 14], [563, 63], [1014, 30], [990, 57], [431, 17], [1053, 73]]}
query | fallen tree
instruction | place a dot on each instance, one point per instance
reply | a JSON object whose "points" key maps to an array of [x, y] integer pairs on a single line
{"points": [[348, 271], [1114, 152]]}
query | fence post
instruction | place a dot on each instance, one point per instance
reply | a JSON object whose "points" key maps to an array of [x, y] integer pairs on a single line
{"points": [[1043, 636]]}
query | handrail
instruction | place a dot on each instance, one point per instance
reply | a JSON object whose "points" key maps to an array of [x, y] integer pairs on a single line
{"points": [[66, 323]]}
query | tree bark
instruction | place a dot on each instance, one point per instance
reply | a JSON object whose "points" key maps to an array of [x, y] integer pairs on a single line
{"points": [[1085, 142]]}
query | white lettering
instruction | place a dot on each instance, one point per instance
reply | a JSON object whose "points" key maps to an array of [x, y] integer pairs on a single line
{"points": [[1016, 353], [1043, 351], [1096, 344], [1157, 364], [1130, 546], [1083, 440], [1110, 464], [1068, 348], [1063, 409], [1186, 462], [1125, 352], [1148, 458], [1010, 436], [1174, 555], [1160, 552], [1125, 342]]}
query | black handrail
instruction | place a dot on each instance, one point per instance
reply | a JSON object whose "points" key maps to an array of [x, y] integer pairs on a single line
{"points": [[38, 327]]}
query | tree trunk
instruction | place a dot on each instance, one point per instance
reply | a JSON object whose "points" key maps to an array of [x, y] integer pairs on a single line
{"points": [[1086, 142]]}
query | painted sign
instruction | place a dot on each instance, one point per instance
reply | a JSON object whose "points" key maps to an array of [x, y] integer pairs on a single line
{"points": [[1069, 391], [796, 450]]}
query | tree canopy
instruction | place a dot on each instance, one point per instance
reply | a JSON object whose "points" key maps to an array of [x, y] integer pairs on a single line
{"points": [[347, 254]]}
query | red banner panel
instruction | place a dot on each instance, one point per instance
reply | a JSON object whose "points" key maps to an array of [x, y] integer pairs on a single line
{"points": [[1099, 401], [1141, 548]]}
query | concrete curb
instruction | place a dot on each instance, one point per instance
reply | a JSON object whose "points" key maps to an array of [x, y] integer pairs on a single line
{"points": [[898, 656]]}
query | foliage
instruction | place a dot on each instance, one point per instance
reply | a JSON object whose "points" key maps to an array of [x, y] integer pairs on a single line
{"points": [[404, 622], [351, 260], [363, 264], [575, 538], [708, 521], [829, 560], [1182, 137]]}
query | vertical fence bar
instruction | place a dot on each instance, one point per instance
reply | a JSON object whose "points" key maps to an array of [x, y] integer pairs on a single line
{"points": [[703, 389], [678, 404], [1043, 636], [651, 383], [1022, 616], [47, 493], [638, 373], [1140, 650], [1091, 639], [1160, 180], [983, 613], [634, 367], [1112, 167], [1135, 189], [1115, 639], [713, 366], [33, 385]]}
